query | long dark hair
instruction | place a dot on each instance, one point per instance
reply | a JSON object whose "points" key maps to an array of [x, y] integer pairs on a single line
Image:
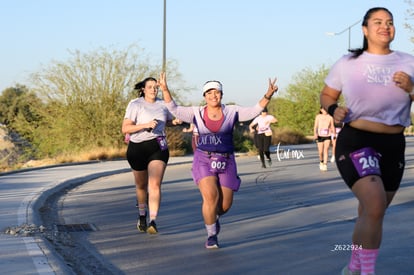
{"points": [[141, 85], [357, 52]]}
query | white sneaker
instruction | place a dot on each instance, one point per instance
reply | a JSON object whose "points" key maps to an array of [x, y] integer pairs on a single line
{"points": [[333, 159], [323, 167]]}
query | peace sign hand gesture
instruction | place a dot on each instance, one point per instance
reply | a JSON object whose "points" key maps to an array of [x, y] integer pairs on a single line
{"points": [[272, 88], [162, 83]]}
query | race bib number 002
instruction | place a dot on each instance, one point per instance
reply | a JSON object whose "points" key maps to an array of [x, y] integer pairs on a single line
{"points": [[366, 161], [218, 164]]}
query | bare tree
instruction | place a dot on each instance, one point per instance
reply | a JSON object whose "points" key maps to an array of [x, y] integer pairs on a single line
{"points": [[86, 97]]}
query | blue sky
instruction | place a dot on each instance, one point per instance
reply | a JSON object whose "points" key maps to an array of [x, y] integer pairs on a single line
{"points": [[239, 42]]}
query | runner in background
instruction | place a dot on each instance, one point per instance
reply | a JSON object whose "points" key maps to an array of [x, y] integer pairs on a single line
{"points": [[263, 137], [323, 129]]}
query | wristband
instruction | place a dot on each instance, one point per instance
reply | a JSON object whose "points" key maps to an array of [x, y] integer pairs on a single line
{"points": [[412, 91], [332, 108], [267, 97]]}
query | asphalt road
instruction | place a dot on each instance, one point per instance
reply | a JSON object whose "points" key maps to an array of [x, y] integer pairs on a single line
{"points": [[287, 219]]}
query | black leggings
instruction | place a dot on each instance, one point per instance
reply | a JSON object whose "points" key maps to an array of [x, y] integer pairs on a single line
{"points": [[263, 144]]}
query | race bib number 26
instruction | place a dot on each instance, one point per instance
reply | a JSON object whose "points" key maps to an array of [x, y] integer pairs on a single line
{"points": [[366, 161]]}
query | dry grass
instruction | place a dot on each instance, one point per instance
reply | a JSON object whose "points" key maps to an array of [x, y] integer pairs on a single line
{"points": [[90, 155], [93, 154], [99, 154]]}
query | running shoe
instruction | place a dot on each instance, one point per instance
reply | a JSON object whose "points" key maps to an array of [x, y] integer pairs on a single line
{"points": [[142, 223], [152, 228], [346, 271], [212, 242], [333, 159]]}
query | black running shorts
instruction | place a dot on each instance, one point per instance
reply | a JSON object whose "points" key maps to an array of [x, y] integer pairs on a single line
{"points": [[390, 147], [140, 154]]}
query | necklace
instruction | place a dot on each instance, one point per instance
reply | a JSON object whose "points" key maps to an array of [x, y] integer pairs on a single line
{"points": [[216, 114]]}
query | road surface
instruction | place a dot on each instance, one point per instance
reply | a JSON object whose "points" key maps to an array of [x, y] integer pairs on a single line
{"points": [[288, 219]]}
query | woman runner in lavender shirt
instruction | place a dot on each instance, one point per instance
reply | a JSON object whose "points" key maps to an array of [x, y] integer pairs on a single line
{"points": [[377, 85], [214, 167], [145, 120]]}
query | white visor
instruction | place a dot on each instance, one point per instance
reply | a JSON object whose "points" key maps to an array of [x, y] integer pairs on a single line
{"points": [[212, 85]]}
